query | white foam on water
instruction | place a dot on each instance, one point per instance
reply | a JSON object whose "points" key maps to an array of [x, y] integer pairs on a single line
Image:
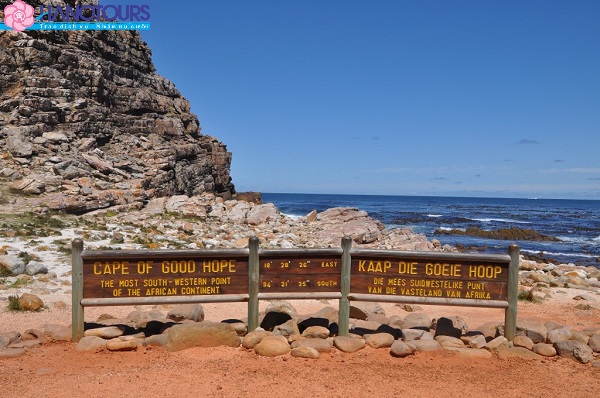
{"points": [[434, 215], [500, 220]]}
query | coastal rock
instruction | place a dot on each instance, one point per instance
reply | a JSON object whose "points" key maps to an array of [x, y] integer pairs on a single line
{"points": [[89, 104]]}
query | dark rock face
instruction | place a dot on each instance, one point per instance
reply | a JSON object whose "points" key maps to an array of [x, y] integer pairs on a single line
{"points": [[86, 123]]}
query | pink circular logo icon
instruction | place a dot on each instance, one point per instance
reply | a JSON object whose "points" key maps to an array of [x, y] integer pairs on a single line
{"points": [[18, 15]]}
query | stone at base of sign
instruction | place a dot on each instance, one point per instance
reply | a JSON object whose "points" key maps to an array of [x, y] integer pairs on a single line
{"points": [[272, 346], [400, 349], [379, 340], [425, 345], [12, 352], [305, 352], [575, 350], [321, 345], [91, 343], [204, 334], [348, 344], [518, 352]]}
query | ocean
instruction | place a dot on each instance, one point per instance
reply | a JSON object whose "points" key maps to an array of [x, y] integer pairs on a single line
{"points": [[576, 223]]}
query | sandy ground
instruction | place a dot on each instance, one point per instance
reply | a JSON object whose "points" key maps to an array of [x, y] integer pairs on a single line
{"points": [[57, 370]]}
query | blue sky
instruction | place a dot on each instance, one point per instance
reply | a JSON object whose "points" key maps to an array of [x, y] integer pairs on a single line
{"points": [[459, 98]]}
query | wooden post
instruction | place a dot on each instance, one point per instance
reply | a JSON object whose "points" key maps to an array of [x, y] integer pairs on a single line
{"points": [[253, 283], [344, 306], [510, 316], [77, 319]]}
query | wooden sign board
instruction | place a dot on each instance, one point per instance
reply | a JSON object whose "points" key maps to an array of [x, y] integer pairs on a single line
{"points": [[448, 278], [299, 274], [145, 273]]}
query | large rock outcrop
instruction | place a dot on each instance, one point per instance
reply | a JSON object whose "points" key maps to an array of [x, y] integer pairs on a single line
{"points": [[87, 123]]}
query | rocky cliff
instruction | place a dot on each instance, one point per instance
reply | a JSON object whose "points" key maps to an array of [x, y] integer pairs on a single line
{"points": [[87, 123]]}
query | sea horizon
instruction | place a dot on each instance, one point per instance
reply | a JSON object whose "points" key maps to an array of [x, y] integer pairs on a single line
{"points": [[429, 196], [575, 223]]}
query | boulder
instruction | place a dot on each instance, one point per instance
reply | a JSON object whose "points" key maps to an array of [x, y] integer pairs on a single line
{"points": [[400, 349], [305, 352], [363, 310], [348, 344], [454, 326], [193, 312], [13, 264], [533, 329], [118, 344], [560, 334], [594, 342], [426, 345], [9, 338], [108, 332], [498, 344], [57, 332], [449, 341], [523, 341], [91, 343], [543, 349], [518, 352], [35, 267], [316, 332], [272, 346], [575, 350], [254, 337], [417, 320], [30, 302], [320, 345], [202, 334], [379, 340]]}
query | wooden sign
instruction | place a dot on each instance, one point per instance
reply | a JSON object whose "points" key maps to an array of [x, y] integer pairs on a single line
{"points": [[298, 272], [447, 277], [145, 273]]}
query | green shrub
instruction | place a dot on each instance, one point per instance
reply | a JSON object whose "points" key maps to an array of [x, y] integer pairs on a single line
{"points": [[13, 303]]}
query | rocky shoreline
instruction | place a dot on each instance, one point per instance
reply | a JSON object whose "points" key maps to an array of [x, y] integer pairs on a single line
{"points": [[37, 270]]}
